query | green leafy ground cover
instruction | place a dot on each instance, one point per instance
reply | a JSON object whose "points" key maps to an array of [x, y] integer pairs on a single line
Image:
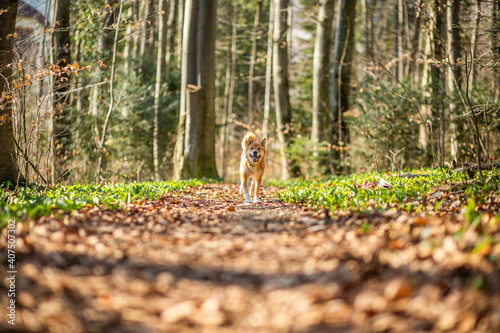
{"points": [[37, 201], [363, 192]]}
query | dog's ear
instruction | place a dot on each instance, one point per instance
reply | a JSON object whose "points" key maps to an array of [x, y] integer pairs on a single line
{"points": [[264, 142], [248, 139]]}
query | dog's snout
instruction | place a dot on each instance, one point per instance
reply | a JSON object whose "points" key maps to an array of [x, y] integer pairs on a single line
{"points": [[255, 152]]}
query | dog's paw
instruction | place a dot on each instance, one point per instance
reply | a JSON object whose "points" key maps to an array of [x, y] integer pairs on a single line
{"points": [[248, 199], [255, 200]]}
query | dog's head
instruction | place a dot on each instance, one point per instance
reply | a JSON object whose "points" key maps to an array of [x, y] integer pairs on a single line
{"points": [[256, 151]]}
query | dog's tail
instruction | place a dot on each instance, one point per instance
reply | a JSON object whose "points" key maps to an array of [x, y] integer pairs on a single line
{"points": [[248, 139]]}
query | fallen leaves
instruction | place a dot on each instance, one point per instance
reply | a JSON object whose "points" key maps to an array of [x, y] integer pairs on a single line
{"points": [[203, 260]]}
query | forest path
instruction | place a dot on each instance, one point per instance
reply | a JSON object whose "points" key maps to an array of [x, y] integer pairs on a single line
{"points": [[202, 260]]}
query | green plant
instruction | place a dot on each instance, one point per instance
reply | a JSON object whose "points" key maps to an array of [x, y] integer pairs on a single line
{"points": [[35, 201]]}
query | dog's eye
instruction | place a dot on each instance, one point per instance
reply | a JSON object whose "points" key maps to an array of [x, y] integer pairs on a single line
{"points": [[259, 148]]}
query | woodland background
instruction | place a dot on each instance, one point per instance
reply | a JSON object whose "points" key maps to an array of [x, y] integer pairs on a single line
{"points": [[99, 89]]}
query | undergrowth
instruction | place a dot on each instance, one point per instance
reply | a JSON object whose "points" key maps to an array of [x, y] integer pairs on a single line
{"points": [[362, 192], [39, 200]]}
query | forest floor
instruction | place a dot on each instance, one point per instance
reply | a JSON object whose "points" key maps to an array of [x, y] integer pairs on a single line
{"points": [[201, 260]]}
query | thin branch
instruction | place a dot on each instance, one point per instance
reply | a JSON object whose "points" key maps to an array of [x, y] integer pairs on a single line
{"points": [[28, 161], [468, 70]]}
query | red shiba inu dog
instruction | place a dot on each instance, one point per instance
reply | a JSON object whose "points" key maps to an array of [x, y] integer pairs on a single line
{"points": [[252, 165]]}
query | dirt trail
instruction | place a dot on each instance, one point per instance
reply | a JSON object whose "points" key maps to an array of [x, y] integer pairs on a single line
{"points": [[202, 260]]}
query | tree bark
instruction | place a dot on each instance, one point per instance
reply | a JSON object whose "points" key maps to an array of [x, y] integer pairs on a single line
{"points": [[341, 79], [453, 71], [102, 143], [321, 70], [437, 76], [144, 31], [253, 56], [425, 129], [160, 78], [269, 68], [367, 11], [8, 167], [495, 47], [474, 37], [61, 113], [280, 79], [172, 31], [229, 89], [195, 149]]}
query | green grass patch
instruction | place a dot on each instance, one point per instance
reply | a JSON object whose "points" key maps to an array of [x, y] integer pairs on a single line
{"points": [[361, 192], [35, 201]]}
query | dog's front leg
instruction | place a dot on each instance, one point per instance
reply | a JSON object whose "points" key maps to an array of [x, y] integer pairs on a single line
{"points": [[252, 188], [244, 186], [256, 182]]}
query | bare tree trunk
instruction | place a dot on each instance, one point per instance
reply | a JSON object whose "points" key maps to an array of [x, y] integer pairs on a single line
{"points": [[172, 30], [395, 40], [229, 94], [160, 77], [144, 31], [321, 70], [61, 114], [438, 108], [416, 47], [424, 139], [8, 167], [473, 42], [453, 72], [401, 60], [197, 137], [253, 56], [180, 25], [102, 142], [367, 13], [280, 79], [269, 67], [136, 18], [341, 78], [104, 44], [188, 75], [495, 47]]}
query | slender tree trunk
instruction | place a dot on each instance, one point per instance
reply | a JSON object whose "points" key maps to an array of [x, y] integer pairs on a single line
{"points": [[280, 79], [230, 82], [144, 31], [136, 19], [495, 47], [172, 30], [321, 70], [102, 142], [438, 107], [453, 71], [253, 56], [475, 32], [416, 47], [61, 113], [395, 40], [180, 25], [8, 167], [368, 36], [104, 45], [188, 62], [160, 77], [341, 78], [424, 139], [401, 61], [269, 68]]}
